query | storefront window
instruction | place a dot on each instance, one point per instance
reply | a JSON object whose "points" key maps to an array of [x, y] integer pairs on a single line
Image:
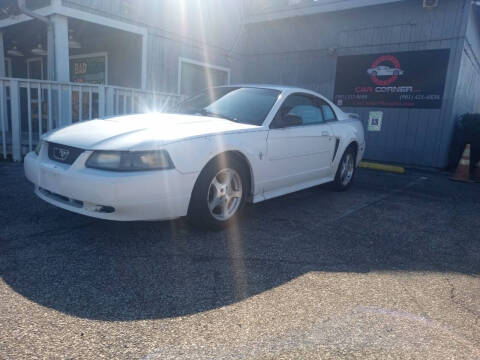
{"points": [[91, 68]]}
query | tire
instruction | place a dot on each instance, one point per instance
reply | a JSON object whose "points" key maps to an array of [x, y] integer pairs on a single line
{"points": [[346, 170], [217, 202]]}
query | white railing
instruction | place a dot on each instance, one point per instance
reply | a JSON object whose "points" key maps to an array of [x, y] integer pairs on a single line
{"points": [[29, 108]]}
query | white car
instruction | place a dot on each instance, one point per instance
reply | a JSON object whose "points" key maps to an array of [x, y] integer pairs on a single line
{"points": [[384, 71], [213, 153]]}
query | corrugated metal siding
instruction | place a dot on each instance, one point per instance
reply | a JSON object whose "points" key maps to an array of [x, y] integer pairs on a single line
{"points": [[296, 52]]}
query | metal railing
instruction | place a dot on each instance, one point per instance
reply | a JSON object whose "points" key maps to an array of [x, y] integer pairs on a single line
{"points": [[30, 108]]}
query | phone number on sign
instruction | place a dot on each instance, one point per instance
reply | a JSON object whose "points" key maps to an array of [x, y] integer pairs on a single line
{"points": [[420, 97]]}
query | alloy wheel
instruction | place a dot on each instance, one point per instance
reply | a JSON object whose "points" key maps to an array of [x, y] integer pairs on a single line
{"points": [[225, 194], [347, 169]]}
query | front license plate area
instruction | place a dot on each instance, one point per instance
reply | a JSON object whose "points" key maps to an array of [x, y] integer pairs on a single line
{"points": [[50, 180]]}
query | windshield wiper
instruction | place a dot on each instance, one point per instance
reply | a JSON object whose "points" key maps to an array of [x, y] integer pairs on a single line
{"points": [[205, 112]]}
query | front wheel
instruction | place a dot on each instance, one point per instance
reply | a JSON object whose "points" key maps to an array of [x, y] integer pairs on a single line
{"points": [[219, 195], [346, 170]]}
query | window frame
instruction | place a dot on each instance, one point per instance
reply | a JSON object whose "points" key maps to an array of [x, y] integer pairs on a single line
{"points": [[331, 109], [183, 60], [318, 103], [92, 55]]}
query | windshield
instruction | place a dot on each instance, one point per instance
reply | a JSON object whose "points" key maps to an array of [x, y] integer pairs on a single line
{"points": [[240, 104]]}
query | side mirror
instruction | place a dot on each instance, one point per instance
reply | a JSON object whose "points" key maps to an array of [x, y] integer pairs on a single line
{"points": [[292, 120]]}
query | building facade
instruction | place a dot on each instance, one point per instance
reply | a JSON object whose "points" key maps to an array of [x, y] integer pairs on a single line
{"points": [[407, 67]]}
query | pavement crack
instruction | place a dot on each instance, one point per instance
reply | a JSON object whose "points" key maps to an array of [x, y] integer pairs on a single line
{"points": [[414, 299], [460, 304]]}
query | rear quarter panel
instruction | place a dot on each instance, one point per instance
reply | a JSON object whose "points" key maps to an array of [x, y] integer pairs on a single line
{"points": [[348, 131]]}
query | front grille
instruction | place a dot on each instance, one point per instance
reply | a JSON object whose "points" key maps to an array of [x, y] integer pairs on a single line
{"points": [[63, 153], [103, 209], [61, 198]]}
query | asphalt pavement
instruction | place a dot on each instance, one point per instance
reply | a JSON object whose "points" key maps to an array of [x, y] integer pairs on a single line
{"points": [[387, 270]]}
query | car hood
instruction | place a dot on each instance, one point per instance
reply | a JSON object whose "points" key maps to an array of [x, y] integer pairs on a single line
{"points": [[141, 131]]}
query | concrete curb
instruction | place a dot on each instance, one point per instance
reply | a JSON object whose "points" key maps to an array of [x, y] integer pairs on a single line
{"points": [[382, 167]]}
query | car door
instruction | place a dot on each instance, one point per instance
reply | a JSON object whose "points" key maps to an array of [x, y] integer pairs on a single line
{"points": [[299, 153]]}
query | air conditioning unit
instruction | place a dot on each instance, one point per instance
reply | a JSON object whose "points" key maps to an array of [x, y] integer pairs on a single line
{"points": [[430, 4]]}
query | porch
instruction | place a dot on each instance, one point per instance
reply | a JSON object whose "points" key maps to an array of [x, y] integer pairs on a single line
{"points": [[30, 108], [63, 65]]}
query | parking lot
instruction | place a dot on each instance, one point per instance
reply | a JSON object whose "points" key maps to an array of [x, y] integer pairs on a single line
{"points": [[389, 269]]}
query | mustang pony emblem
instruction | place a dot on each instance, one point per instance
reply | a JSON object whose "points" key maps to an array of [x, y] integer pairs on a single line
{"points": [[60, 154]]}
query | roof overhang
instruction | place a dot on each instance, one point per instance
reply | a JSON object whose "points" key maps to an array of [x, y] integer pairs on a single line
{"points": [[58, 8], [319, 6], [16, 19]]}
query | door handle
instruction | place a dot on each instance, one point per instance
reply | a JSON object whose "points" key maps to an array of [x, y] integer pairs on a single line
{"points": [[325, 133]]}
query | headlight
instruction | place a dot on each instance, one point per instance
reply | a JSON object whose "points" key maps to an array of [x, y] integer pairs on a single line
{"points": [[130, 161], [38, 148]]}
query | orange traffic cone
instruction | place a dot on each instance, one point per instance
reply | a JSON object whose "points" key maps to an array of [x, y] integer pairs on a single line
{"points": [[463, 168], [476, 172]]}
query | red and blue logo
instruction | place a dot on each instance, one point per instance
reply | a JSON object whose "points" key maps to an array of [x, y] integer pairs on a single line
{"points": [[385, 70]]}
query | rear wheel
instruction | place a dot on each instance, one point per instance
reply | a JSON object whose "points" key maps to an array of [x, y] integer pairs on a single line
{"points": [[219, 194], [346, 170]]}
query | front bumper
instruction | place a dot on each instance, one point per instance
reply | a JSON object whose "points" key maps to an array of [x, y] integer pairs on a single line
{"points": [[152, 195]]}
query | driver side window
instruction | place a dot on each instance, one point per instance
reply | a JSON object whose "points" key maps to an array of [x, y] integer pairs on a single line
{"points": [[301, 105]]}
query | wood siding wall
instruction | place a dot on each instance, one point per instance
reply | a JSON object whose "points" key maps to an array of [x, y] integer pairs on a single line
{"points": [[208, 31]]}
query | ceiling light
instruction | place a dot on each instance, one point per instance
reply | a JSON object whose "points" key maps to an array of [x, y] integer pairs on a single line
{"points": [[39, 50], [14, 51]]}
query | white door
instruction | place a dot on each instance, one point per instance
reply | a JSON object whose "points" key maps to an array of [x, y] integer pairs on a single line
{"points": [[302, 152]]}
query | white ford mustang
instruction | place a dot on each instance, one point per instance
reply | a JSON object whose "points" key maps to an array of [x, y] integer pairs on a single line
{"points": [[204, 160]]}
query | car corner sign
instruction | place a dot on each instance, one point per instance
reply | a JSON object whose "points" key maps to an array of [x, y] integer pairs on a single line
{"points": [[412, 79]]}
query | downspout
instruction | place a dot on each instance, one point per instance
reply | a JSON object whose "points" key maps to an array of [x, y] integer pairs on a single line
{"points": [[50, 37]]}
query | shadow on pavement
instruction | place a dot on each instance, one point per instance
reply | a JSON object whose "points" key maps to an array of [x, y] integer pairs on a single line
{"points": [[131, 271]]}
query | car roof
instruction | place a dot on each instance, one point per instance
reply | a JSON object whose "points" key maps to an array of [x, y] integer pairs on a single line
{"points": [[289, 90], [282, 88]]}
